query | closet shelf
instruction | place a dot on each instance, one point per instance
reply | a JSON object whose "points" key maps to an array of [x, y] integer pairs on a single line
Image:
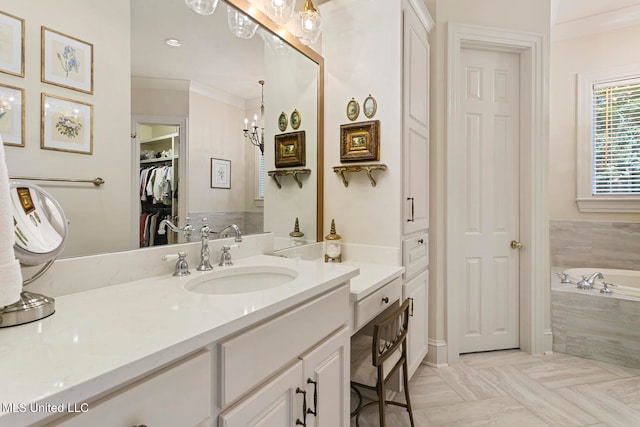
{"points": [[288, 172], [368, 168], [158, 159]]}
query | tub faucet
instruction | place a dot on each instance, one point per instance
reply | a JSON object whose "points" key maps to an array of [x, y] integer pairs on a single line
{"points": [[205, 264], [235, 228], [587, 282]]}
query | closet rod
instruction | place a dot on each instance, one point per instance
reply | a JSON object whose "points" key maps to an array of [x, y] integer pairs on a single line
{"points": [[98, 182]]}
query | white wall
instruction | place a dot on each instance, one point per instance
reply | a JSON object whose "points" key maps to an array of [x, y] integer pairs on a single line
{"points": [[102, 214], [291, 83], [362, 47], [570, 57], [215, 131]]}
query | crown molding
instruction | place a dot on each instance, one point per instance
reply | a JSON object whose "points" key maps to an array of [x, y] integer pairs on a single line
{"points": [[600, 23]]}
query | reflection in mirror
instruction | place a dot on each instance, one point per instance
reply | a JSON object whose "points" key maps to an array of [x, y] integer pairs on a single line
{"points": [[206, 88], [40, 228]]}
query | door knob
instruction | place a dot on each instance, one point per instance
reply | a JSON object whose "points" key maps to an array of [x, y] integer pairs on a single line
{"points": [[516, 245]]}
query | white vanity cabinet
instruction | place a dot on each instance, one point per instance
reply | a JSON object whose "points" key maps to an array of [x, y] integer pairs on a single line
{"points": [[179, 395], [415, 162], [312, 391], [293, 367]]}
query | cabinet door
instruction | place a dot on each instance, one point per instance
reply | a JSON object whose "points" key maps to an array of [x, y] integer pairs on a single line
{"points": [[326, 378], [276, 404], [415, 146], [417, 343]]}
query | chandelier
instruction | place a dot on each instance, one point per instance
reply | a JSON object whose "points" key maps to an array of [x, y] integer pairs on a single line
{"points": [[255, 138]]}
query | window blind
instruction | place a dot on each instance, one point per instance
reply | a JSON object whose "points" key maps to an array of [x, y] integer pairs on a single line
{"points": [[616, 137]]}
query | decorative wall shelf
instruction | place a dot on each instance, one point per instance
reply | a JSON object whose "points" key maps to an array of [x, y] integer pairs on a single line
{"points": [[340, 170], [288, 172]]}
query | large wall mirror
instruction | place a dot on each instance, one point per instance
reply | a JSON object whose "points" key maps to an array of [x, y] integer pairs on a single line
{"points": [[185, 110]]}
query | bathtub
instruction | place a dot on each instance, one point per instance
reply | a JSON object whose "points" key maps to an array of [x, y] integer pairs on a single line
{"points": [[627, 281], [589, 324]]}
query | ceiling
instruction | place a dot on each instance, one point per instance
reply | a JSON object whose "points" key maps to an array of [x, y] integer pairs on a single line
{"points": [[571, 10], [210, 53]]}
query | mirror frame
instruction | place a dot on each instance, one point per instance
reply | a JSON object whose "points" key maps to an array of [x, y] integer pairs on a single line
{"points": [[258, 16]]}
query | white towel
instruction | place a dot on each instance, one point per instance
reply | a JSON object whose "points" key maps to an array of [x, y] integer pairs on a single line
{"points": [[10, 273]]}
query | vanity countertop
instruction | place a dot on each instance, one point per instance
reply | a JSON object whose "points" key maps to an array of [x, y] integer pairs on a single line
{"points": [[371, 278], [98, 339]]}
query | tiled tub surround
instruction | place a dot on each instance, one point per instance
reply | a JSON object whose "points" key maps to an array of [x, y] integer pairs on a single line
{"points": [[602, 243], [596, 326]]}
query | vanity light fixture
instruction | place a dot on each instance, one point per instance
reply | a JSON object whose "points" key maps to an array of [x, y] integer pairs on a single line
{"points": [[202, 7], [173, 42], [240, 24], [310, 23], [255, 138], [280, 11]]}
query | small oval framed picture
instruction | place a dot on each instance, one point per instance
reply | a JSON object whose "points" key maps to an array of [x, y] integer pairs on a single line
{"points": [[295, 119], [369, 106], [353, 109], [283, 121]]}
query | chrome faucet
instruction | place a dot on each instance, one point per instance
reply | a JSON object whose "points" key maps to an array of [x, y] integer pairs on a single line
{"points": [[187, 229], [182, 268], [205, 264], [225, 257], [587, 282], [235, 228]]}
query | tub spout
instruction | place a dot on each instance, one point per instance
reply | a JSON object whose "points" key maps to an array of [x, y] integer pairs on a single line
{"points": [[587, 282]]}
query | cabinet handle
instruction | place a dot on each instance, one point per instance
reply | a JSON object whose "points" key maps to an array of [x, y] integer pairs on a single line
{"points": [[420, 241], [315, 398], [411, 309], [385, 300], [302, 423], [412, 217]]}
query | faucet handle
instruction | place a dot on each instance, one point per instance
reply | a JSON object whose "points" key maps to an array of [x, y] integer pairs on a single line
{"points": [[605, 289], [564, 277], [182, 267], [225, 257]]}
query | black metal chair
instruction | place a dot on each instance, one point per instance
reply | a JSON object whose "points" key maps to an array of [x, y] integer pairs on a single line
{"points": [[375, 359]]}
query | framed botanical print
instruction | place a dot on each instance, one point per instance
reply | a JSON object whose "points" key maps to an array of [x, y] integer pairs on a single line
{"points": [[11, 45], [12, 115], [66, 61], [360, 141], [66, 125], [290, 149], [220, 173]]}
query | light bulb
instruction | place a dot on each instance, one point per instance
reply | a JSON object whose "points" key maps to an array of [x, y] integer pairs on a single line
{"points": [[280, 11], [202, 7], [240, 24]]}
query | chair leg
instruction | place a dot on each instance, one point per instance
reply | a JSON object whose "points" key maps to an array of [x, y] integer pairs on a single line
{"points": [[405, 376], [382, 395]]}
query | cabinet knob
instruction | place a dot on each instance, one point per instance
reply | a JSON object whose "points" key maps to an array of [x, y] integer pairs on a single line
{"points": [[421, 241], [385, 300]]}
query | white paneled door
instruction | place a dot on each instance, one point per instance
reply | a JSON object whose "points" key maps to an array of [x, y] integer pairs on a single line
{"points": [[490, 165]]}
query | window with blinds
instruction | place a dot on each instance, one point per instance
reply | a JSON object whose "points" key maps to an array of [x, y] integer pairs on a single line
{"points": [[616, 137]]}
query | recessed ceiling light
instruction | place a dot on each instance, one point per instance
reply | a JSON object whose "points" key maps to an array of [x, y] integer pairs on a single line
{"points": [[173, 42]]}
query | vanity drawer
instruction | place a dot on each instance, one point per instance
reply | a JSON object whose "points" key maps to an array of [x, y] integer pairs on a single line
{"points": [[250, 357], [179, 395], [370, 306], [415, 254]]}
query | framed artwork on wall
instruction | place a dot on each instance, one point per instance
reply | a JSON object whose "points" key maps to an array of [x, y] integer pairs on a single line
{"points": [[12, 115], [66, 125], [360, 141], [290, 149], [220, 173], [12, 46], [353, 109], [66, 61]]}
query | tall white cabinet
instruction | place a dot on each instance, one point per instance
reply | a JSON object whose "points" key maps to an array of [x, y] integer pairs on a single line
{"points": [[416, 24]]}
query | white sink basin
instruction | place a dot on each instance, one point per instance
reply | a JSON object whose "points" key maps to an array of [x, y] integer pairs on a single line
{"points": [[241, 280]]}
